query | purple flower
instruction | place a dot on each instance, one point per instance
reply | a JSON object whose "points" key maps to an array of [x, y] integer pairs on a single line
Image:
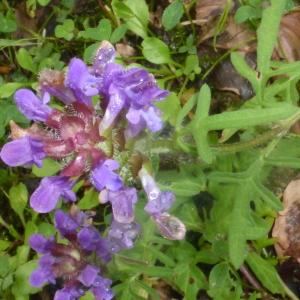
{"points": [[158, 201], [133, 89], [122, 202], [158, 204], [81, 82], [40, 244], [44, 273], [103, 176], [46, 196], [101, 289], [69, 261], [65, 224], [139, 119], [23, 151], [88, 275], [68, 293], [31, 106], [122, 235]]}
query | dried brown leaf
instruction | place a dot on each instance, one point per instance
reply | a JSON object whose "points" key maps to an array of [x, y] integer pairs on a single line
{"points": [[287, 225], [289, 37], [125, 50]]}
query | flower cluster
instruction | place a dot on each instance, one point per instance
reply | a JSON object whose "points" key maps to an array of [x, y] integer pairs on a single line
{"points": [[80, 136], [72, 261]]}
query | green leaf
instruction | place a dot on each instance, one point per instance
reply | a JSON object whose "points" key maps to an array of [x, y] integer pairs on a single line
{"points": [[267, 195], [7, 24], [170, 108], [156, 51], [219, 281], [203, 102], [18, 198], [43, 2], [267, 34], [7, 89], [190, 279], [21, 284], [131, 17], [172, 14], [191, 65], [4, 245], [25, 60], [118, 33], [100, 33], [65, 30], [89, 200], [266, 273], [188, 106], [245, 13], [237, 239], [140, 10], [244, 69], [248, 117], [89, 52], [187, 187], [49, 168]]}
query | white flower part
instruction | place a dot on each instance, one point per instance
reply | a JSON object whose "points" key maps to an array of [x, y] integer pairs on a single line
{"points": [[149, 185]]}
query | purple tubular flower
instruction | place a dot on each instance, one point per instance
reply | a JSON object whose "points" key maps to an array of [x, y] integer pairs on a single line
{"points": [[44, 273], [104, 56], [158, 204], [46, 196], [101, 289], [134, 89], [122, 202], [81, 82], [68, 293], [104, 177], [31, 106], [40, 244], [158, 201], [23, 151], [52, 82], [140, 119], [65, 224], [88, 275], [122, 236]]}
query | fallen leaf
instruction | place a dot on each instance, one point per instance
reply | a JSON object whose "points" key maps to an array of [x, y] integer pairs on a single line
{"points": [[287, 225], [125, 50], [289, 37]]}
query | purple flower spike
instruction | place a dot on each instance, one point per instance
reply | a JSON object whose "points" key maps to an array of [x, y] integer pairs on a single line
{"points": [[104, 177], [23, 151], [122, 202], [31, 106], [46, 196]]}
